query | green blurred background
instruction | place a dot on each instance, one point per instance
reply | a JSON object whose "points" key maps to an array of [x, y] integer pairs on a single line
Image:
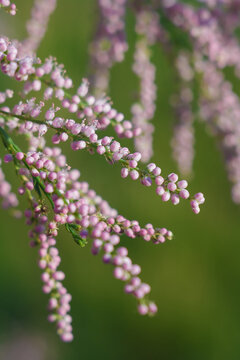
{"points": [[194, 278]]}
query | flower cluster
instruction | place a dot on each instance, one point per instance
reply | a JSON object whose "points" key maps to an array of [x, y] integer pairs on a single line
{"points": [[85, 216], [8, 6], [210, 46], [215, 46], [56, 197], [220, 109]]}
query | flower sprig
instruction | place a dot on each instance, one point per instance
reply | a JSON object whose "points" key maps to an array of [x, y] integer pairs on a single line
{"points": [[85, 216], [56, 197], [167, 188]]}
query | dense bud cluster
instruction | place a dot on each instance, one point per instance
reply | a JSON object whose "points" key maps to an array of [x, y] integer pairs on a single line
{"points": [[84, 117], [214, 46], [8, 6]]}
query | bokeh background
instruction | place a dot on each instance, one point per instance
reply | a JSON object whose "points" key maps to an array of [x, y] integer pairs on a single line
{"points": [[195, 278]]}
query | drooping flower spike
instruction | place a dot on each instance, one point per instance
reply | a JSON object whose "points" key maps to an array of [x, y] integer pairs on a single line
{"points": [[148, 30], [183, 131], [109, 45], [37, 25]]}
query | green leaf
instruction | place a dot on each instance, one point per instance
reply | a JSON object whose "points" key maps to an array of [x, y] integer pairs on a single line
{"points": [[74, 231], [37, 187]]}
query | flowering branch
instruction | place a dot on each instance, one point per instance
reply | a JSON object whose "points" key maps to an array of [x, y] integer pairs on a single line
{"points": [[168, 188], [85, 216], [56, 197]]}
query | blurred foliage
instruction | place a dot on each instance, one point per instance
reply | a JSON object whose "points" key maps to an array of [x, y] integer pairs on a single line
{"points": [[194, 278]]}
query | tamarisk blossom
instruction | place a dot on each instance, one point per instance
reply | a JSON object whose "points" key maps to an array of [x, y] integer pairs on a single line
{"points": [[226, 11], [85, 216], [147, 29], [169, 188], [207, 32], [215, 3], [219, 107], [84, 135], [43, 234], [211, 29], [8, 6], [183, 132], [95, 111], [49, 183], [9, 199], [212, 36], [109, 45], [37, 25], [215, 46]]}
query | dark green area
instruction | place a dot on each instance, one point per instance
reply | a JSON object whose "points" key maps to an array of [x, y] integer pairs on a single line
{"points": [[195, 278]]}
